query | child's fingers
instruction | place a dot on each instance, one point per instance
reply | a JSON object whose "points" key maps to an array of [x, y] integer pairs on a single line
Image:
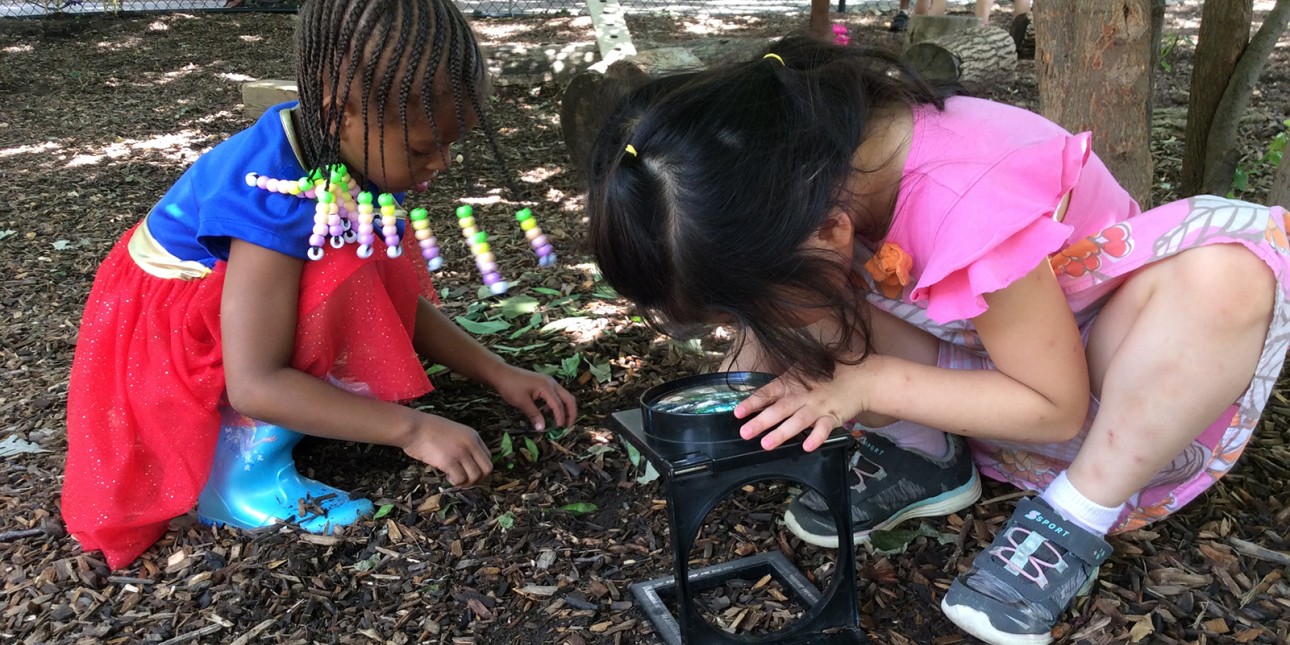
{"points": [[482, 457], [764, 396], [530, 410], [820, 433], [564, 409], [766, 419], [800, 420]]}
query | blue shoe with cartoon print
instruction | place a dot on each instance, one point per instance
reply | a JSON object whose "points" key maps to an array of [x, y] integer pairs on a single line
{"points": [[1021, 585], [254, 483]]}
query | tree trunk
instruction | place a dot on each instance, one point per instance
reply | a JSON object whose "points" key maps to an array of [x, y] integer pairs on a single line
{"points": [[1220, 146], [1094, 65], [1224, 31], [1280, 193], [977, 58]]}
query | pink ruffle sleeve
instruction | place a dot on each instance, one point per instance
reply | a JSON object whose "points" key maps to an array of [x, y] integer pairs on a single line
{"points": [[996, 230]]}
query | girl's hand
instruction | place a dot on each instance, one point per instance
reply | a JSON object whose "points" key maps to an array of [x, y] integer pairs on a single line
{"points": [[450, 447], [794, 407], [522, 389]]}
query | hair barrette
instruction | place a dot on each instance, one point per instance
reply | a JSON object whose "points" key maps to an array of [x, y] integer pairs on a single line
{"points": [[631, 150], [775, 56]]}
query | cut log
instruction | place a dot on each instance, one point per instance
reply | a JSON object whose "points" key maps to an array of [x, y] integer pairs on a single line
{"points": [[925, 28], [976, 58], [258, 96], [586, 103]]}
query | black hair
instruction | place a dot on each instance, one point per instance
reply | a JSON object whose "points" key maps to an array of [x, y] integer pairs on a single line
{"points": [[734, 169], [412, 40]]}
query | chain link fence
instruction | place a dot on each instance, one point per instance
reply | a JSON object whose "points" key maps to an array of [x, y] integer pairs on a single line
{"points": [[38, 8]]}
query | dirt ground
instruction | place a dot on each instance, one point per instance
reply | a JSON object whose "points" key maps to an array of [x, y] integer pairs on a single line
{"points": [[99, 116]]}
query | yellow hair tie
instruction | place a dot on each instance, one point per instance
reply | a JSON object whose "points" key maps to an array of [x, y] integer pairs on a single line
{"points": [[631, 150], [775, 56]]}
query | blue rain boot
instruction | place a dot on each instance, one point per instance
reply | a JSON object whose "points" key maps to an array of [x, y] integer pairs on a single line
{"points": [[254, 483]]}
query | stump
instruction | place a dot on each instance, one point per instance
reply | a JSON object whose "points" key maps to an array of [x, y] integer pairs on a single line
{"points": [[592, 94], [925, 28], [976, 58]]}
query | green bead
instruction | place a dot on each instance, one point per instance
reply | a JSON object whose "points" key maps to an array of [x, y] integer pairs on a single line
{"points": [[365, 197], [419, 214], [304, 184], [326, 197], [337, 177], [465, 211], [523, 214], [479, 238], [385, 199]]}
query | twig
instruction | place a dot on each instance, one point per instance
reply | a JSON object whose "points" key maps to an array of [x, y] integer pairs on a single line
{"points": [[7, 536], [1256, 551], [252, 633], [194, 635]]}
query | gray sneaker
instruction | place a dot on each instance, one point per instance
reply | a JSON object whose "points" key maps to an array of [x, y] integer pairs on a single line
{"points": [[889, 485], [1021, 585]]}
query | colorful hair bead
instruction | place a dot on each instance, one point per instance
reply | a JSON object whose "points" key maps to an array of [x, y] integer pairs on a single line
{"points": [[477, 240], [419, 219], [389, 225], [366, 231], [537, 239]]}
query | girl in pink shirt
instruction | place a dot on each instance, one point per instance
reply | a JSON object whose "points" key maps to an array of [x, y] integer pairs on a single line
{"points": [[967, 282]]}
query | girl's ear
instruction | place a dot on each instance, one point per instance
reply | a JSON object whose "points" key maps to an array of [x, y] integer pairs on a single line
{"points": [[836, 233]]}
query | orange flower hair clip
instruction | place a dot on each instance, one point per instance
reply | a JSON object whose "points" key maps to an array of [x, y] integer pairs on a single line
{"points": [[890, 269]]}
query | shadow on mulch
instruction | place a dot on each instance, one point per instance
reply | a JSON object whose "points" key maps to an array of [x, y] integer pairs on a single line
{"points": [[100, 115]]}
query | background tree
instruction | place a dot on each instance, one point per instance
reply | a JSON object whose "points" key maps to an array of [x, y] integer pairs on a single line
{"points": [[1220, 155], [1094, 64], [1224, 32]]}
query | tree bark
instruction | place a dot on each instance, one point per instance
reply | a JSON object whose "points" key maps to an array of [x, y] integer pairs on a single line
{"points": [[1279, 195], [1224, 32], [976, 58], [1094, 65], [1220, 146]]}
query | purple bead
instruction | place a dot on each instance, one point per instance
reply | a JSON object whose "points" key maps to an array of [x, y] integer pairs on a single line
{"points": [[366, 238], [309, 194], [546, 250], [430, 253], [320, 229], [490, 278], [317, 240], [391, 240], [488, 267], [261, 181], [271, 185], [336, 230], [539, 241], [390, 230]]}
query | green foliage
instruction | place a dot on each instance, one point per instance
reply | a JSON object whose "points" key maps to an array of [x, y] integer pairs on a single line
{"points": [[1265, 165]]}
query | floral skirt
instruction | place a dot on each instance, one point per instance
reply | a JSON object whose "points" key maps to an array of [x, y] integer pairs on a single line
{"points": [[1089, 271]]}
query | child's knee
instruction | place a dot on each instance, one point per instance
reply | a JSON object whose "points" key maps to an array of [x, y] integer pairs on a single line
{"points": [[1237, 285]]}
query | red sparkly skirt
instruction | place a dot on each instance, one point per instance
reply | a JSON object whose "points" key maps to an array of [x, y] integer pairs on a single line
{"points": [[148, 378]]}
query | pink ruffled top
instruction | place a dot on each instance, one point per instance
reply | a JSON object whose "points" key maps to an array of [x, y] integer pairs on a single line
{"points": [[982, 183]]}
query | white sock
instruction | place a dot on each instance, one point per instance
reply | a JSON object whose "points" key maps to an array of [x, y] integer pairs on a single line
{"points": [[1075, 507], [929, 442]]}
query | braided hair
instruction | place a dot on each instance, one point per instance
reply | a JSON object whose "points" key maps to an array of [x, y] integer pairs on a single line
{"points": [[386, 45]]}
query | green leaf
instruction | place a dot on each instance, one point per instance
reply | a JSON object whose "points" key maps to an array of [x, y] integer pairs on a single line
{"points": [[546, 368], [569, 366], [506, 520], [383, 511], [601, 371], [893, 542], [530, 449], [506, 449], [633, 455], [649, 475], [1241, 180], [562, 324], [435, 369], [546, 291], [579, 508], [521, 331], [482, 328], [517, 306]]}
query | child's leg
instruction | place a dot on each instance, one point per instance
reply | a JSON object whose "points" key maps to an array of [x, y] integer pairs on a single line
{"points": [[254, 482], [1172, 350]]}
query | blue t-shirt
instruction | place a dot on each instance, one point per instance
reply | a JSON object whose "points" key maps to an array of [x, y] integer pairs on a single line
{"points": [[211, 203]]}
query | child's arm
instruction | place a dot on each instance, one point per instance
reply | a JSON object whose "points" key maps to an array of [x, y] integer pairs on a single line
{"points": [[437, 339], [258, 324], [1039, 393]]}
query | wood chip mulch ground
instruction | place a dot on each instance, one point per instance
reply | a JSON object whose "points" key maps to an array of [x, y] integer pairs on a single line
{"points": [[98, 116]]}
